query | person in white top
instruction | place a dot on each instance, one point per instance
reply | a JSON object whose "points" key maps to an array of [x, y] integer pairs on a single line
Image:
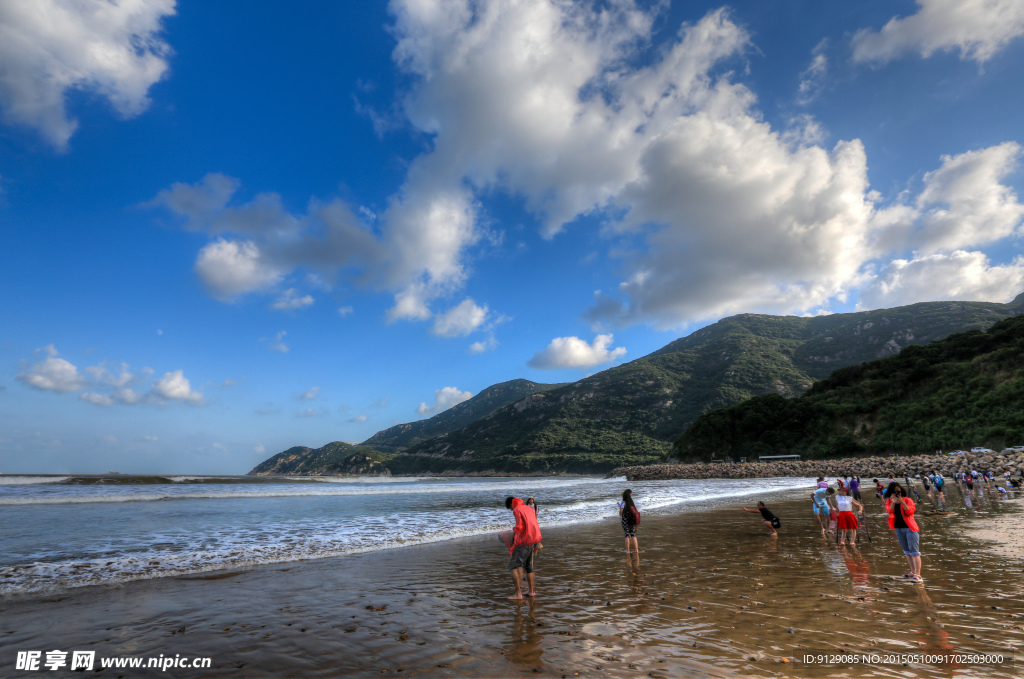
{"points": [[847, 521]]}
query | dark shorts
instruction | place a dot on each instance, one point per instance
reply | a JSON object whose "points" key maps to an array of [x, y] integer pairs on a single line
{"points": [[856, 496], [522, 557], [628, 528]]}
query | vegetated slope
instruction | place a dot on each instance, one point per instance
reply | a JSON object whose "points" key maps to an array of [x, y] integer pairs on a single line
{"points": [[632, 413], [490, 399], [965, 390], [334, 458]]}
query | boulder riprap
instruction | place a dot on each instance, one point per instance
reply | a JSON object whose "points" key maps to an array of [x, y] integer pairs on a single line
{"points": [[864, 467]]}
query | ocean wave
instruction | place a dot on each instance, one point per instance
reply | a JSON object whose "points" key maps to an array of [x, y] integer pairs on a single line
{"points": [[8, 480]]}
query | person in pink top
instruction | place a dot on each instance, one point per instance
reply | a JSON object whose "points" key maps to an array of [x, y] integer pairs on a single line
{"points": [[901, 520], [526, 537]]}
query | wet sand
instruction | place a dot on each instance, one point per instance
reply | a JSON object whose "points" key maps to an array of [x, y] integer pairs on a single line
{"points": [[713, 596]]}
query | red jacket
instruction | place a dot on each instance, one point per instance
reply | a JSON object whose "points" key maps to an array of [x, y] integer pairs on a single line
{"points": [[908, 513], [526, 532]]}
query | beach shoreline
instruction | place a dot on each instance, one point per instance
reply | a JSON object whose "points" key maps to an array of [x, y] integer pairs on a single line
{"points": [[714, 596]]}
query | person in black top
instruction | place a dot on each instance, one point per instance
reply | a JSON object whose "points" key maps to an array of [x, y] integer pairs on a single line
{"points": [[770, 520]]}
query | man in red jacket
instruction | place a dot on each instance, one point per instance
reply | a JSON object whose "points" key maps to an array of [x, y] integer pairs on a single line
{"points": [[526, 536]]}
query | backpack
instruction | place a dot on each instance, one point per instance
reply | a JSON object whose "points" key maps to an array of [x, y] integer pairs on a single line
{"points": [[635, 515]]}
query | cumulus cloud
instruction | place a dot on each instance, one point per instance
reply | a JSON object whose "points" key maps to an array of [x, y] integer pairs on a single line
{"points": [[290, 300], [443, 400], [259, 449], [359, 418], [52, 374], [103, 386], [97, 399], [344, 311], [311, 412], [174, 386], [572, 352], [978, 28], [50, 47], [965, 203], [460, 320], [310, 394], [259, 240], [232, 268], [480, 347], [710, 209], [959, 275]]}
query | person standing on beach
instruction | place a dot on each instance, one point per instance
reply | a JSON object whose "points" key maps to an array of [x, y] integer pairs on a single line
{"points": [[901, 520], [770, 520], [847, 521], [628, 514], [940, 489], [855, 488], [822, 508], [526, 536]]}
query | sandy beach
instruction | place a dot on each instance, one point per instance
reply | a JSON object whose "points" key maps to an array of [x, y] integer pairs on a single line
{"points": [[714, 596]]}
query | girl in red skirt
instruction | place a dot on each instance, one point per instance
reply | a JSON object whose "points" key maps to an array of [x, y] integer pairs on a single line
{"points": [[847, 521]]}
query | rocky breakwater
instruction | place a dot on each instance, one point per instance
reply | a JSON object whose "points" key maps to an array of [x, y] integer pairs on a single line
{"points": [[864, 467]]}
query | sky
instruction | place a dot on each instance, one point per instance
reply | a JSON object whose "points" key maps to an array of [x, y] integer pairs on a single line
{"points": [[228, 230]]}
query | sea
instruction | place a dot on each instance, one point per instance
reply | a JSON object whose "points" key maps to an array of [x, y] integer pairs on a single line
{"points": [[61, 532]]}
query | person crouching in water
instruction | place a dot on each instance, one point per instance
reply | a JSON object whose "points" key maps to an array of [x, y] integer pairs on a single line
{"points": [[847, 521], [770, 520], [526, 536]]}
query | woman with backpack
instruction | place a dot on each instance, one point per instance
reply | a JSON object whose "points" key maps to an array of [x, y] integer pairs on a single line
{"points": [[629, 516]]}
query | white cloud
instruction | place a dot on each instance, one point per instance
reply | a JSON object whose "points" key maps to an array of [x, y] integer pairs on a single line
{"points": [[52, 374], [359, 418], [174, 386], [290, 300], [480, 347], [150, 439], [310, 394], [259, 449], [978, 28], [49, 47], [572, 352], [232, 268], [97, 399], [344, 311], [960, 275], [106, 387], [277, 343], [964, 202], [713, 211], [460, 320], [813, 77], [443, 400], [311, 412]]}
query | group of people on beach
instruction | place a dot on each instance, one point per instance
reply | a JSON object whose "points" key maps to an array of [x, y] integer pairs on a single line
{"points": [[524, 540], [839, 511]]}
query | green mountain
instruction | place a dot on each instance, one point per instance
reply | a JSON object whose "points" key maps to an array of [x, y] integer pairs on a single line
{"points": [[334, 458], [632, 413], [965, 390], [490, 399]]}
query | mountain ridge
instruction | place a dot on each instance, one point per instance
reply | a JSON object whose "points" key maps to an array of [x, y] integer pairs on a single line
{"points": [[631, 414]]}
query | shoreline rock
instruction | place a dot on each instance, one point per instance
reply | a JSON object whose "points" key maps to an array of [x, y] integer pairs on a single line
{"points": [[864, 467]]}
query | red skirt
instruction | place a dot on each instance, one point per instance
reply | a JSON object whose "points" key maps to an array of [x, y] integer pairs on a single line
{"points": [[847, 521]]}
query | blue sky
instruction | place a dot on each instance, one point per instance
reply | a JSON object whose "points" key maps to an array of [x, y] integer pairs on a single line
{"points": [[224, 232]]}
